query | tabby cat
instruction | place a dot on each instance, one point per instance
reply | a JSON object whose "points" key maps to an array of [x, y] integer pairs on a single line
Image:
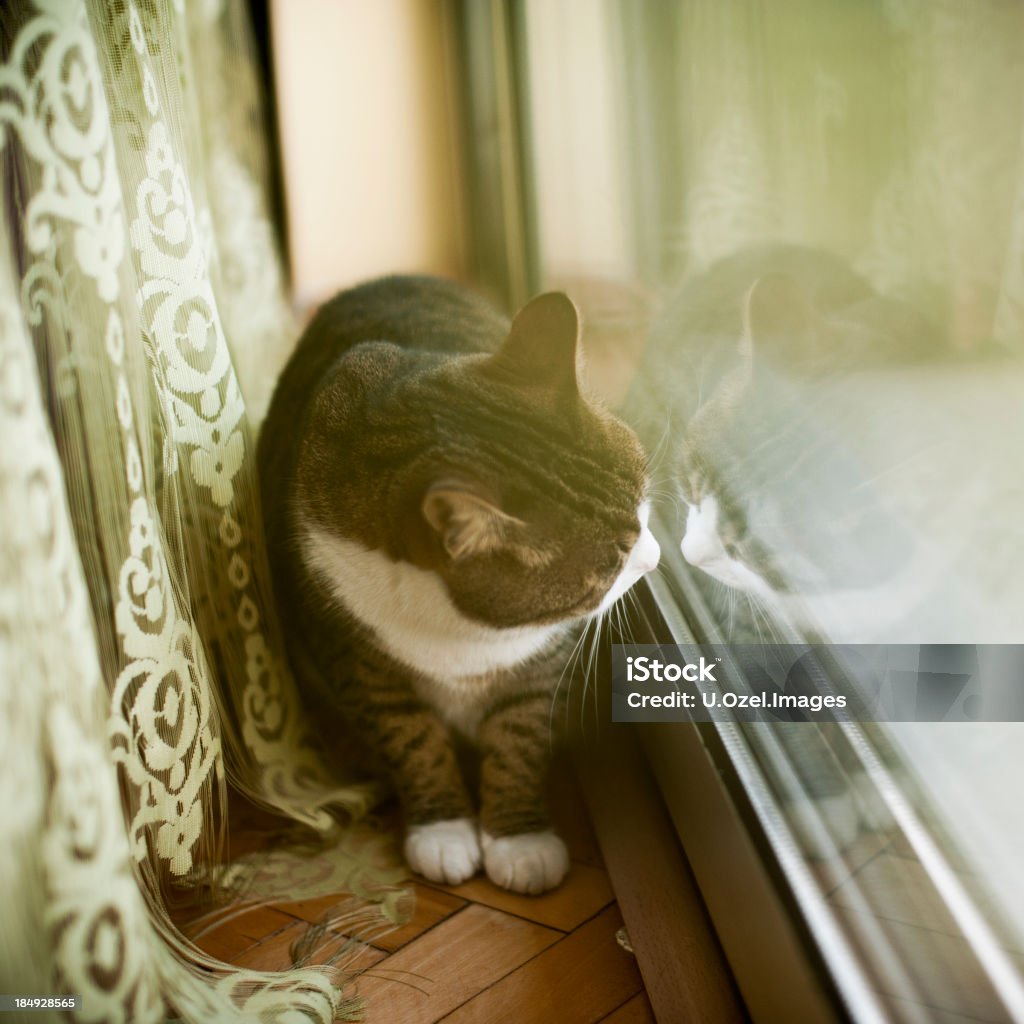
{"points": [[788, 459], [762, 414], [443, 508]]}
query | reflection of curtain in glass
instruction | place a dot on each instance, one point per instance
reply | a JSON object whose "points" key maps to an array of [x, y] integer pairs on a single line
{"points": [[137, 258], [890, 132]]}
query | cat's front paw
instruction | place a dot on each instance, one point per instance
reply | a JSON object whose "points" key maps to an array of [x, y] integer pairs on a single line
{"points": [[444, 851], [531, 862]]}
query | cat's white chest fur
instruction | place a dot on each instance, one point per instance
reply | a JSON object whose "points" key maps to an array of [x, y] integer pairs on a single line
{"points": [[458, 662], [410, 612]]}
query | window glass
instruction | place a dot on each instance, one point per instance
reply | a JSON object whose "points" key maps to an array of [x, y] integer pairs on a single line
{"points": [[797, 235]]}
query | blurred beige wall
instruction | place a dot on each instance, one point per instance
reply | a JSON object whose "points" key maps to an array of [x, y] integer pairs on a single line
{"points": [[367, 141]]}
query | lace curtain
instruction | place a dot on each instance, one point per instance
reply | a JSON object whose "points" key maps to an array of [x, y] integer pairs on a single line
{"points": [[142, 320]]}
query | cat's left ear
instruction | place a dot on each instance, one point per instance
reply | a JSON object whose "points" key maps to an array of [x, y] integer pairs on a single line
{"points": [[467, 520], [541, 348]]}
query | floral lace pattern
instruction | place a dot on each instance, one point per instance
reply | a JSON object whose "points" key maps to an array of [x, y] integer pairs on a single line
{"points": [[133, 605]]}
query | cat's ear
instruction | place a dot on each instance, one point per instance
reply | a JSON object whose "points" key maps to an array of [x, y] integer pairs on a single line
{"points": [[541, 347], [467, 520]]}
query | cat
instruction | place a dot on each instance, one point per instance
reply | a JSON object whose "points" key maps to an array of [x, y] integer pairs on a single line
{"points": [[772, 352], [763, 347], [843, 475], [443, 507]]}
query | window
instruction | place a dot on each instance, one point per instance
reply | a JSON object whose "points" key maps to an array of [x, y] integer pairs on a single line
{"points": [[797, 235]]}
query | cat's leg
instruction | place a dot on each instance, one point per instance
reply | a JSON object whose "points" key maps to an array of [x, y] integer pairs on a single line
{"points": [[520, 850], [415, 747]]}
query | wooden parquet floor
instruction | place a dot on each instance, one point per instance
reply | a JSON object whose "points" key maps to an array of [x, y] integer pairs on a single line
{"points": [[470, 953]]}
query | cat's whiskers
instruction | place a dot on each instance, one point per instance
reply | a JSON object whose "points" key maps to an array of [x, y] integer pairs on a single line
{"points": [[762, 613], [668, 496], [655, 456], [587, 662], [570, 669], [721, 590], [666, 492], [609, 624], [634, 601], [661, 571], [754, 617], [592, 656]]}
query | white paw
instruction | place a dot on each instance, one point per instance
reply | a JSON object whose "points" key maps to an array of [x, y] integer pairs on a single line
{"points": [[444, 851], [531, 862]]}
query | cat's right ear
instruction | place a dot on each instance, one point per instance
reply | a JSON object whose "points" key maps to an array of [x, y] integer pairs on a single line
{"points": [[541, 348], [466, 520]]}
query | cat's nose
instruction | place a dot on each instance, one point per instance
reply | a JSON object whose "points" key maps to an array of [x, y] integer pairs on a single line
{"points": [[699, 548], [650, 556]]}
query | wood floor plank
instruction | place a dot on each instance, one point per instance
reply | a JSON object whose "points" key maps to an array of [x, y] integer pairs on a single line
{"points": [[458, 958], [636, 1011], [577, 981], [584, 893], [228, 940]]}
